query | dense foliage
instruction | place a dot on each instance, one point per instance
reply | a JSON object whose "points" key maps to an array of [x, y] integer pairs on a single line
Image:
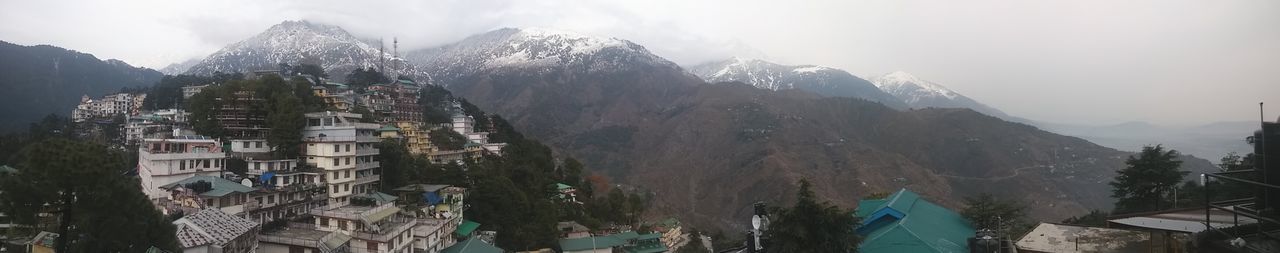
{"points": [[281, 103], [812, 226], [361, 78], [84, 186], [167, 93], [1146, 183], [41, 80]]}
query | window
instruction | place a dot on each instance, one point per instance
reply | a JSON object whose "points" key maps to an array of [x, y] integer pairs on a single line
{"points": [[348, 147], [348, 160], [206, 163], [271, 199], [182, 164], [257, 165], [285, 181], [271, 166], [246, 144], [346, 187], [342, 225], [324, 221], [258, 199], [335, 176], [337, 148], [335, 162], [259, 144], [348, 174], [373, 246], [335, 188]]}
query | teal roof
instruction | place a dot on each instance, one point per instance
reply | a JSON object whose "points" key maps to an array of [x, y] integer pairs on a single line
{"points": [[867, 206], [402, 81], [643, 243], [472, 245], [466, 228], [590, 243], [220, 187], [560, 186], [905, 222]]}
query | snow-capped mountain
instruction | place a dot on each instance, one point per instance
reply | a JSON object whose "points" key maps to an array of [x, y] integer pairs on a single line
{"points": [[772, 76], [179, 67], [298, 42], [919, 93], [532, 49]]}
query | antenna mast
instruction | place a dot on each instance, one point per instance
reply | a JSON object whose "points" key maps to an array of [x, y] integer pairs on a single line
{"points": [[382, 59]]}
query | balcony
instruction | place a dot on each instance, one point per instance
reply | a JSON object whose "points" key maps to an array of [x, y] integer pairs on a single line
{"points": [[367, 179], [368, 165], [366, 151]]}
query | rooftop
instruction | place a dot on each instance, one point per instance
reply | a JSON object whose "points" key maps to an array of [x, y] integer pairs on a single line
{"points": [[211, 226], [472, 245], [1182, 220], [1048, 237], [905, 222], [218, 186]]}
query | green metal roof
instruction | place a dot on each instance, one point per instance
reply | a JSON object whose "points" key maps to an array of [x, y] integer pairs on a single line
{"points": [[220, 187], [466, 228], [868, 206], [590, 243], [923, 226], [388, 128], [560, 186], [471, 245], [381, 214]]}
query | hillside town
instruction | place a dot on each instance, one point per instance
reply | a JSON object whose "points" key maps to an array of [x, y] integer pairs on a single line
{"points": [[236, 193], [642, 127]]}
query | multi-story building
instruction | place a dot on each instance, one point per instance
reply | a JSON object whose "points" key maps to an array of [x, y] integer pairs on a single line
{"points": [[345, 151], [440, 208], [189, 91], [374, 228], [239, 118], [379, 101], [405, 103], [108, 106], [415, 140], [197, 193], [165, 161], [465, 125], [335, 95], [153, 124]]}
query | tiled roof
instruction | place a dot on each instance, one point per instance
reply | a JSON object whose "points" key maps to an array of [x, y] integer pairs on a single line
{"points": [[211, 226]]}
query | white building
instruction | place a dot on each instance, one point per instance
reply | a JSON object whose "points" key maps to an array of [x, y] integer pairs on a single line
{"points": [[188, 91], [165, 161], [465, 125], [344, 149], [108, 106]]}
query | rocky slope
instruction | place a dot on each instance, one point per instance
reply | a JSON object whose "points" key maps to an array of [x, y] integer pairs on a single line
{"points": [[919, 93], [772, 76]]}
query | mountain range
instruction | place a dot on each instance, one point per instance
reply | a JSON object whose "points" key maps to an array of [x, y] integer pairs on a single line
{"points": [[303, 42], [817, 79], [41, 80], [708, 149]]}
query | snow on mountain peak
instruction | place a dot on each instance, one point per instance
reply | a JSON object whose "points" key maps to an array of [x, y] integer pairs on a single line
{"points": [[901, 83], [296, 42], [533, 48]]}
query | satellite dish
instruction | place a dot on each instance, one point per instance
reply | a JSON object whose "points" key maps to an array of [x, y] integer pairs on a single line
{"points": [[246, 182], [755, 222]]}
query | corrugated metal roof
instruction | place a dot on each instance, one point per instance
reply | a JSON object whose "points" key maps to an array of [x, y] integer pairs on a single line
{"points": [[1048, 237], [219, 186], [922, 227], [211, 226]]}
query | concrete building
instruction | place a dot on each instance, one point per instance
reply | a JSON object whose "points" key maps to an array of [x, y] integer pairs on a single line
{"points": [[165, 161], [377, 228], [197, 193], [344, 150], [188, 91], [108, 106]]}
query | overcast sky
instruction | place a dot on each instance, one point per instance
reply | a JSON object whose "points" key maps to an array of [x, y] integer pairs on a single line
{"points": [[1085, 62]]}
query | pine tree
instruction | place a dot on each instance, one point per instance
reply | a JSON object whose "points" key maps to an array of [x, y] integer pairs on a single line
{"points": [[812, 226], [1144, 185]]}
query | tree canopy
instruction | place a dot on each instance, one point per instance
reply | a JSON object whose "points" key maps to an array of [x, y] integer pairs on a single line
{"points": [[1144, 185], [986, 211], [812, 225], [84, 186]]}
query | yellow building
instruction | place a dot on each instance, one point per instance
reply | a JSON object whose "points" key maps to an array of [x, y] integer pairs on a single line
{"points": [[416, 140]]}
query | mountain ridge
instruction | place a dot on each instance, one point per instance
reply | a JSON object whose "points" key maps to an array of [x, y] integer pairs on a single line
{"points": [[304, 42], [822, 80]]}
